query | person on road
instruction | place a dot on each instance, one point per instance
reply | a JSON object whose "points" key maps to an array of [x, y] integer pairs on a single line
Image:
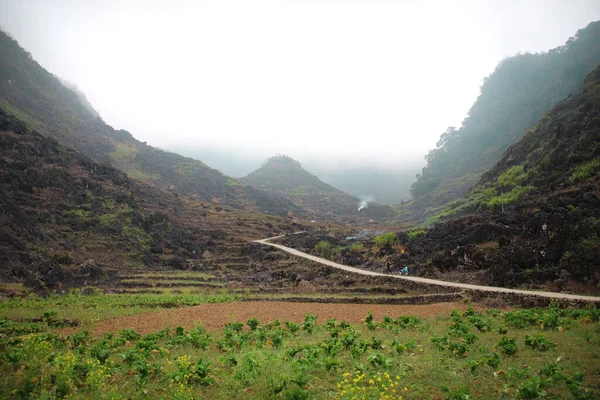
{"points": [[405, 270]]}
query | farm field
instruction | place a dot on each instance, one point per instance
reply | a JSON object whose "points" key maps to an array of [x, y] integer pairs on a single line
{"points": [[211, 345]]}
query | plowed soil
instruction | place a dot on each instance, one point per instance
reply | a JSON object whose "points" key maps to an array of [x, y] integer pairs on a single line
{"points": [[215, 316]]}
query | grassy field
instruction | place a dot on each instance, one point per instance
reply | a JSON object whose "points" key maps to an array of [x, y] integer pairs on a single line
{"points": [[87, 310], [536, 353]]}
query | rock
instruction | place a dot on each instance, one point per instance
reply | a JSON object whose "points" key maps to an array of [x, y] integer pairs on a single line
{"points": [[86, 267], [564, 274], [33, 282], [235, 285], [305, 287], [88, 291], [386, 250]]}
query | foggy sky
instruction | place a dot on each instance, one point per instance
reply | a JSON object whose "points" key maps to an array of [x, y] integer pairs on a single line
{"points": [[371, 81]]}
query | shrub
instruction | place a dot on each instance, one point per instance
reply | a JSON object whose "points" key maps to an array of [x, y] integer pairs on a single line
{"points": [[323, 249], [356, 247], [413, 234], [515, 194], [513, 177], [386, 238], [585, 170]]}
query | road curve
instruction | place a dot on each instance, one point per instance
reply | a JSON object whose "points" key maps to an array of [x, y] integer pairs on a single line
{"points": [[552, 295]]}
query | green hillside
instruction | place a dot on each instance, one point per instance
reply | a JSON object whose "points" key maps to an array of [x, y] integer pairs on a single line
{"points": [[520, 91], [38, 98], [284, 176], [534, 218]]}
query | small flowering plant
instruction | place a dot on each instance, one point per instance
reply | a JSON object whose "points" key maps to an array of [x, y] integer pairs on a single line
{"points": [[379, 386]]}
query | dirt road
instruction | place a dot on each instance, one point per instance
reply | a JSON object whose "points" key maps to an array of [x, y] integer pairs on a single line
{"points": [[456, 285]]}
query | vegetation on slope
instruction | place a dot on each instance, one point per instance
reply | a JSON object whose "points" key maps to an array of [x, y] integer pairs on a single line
{"points": [[562, 152], [532, 221], [519, 92], [42, 102], [67, 220], [284, 176], [60, 208], [534, 218]]}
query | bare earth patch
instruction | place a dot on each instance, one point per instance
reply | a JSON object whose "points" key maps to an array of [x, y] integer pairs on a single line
{"points": [[215, 316]]}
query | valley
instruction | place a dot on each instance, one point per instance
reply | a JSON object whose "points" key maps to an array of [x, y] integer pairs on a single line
{"points": [[132, 272]]}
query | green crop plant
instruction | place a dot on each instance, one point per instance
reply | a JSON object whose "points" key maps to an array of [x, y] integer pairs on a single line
{"points": [[508, 346], [539, 342], [296, 359]]}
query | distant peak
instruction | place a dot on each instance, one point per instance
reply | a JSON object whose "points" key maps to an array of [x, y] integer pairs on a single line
{"points": [[282, 159]]}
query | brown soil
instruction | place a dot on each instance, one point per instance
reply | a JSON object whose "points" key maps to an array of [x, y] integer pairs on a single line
{"points": [[215, 316]]}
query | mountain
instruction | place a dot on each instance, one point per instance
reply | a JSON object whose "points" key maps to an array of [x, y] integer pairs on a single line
{"points": [[39, 99], [387, 185], [66, 220], [520, 91], [285, 177], [534, 218]]}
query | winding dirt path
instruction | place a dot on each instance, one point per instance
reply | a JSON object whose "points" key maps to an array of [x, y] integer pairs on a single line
{"points": [[552, 295]]}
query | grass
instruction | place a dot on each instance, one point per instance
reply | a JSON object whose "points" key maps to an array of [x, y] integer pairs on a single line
{"points": [[585, 171], [91, 309], [492, 354], [356, 247], [415, 233]]}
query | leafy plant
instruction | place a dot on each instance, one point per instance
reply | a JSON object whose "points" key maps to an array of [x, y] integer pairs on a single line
{"points": [[403, 347], [188, 372], [532, 388], [539, 342], [253, 323], [508, 346], [462, 393], [309, 323], [371, 325]]}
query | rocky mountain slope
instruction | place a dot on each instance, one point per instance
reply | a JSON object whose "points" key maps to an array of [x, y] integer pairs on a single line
{"points": [[520, 91], [284, 176], [39, 99], [534, 218], [67, 220]]}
